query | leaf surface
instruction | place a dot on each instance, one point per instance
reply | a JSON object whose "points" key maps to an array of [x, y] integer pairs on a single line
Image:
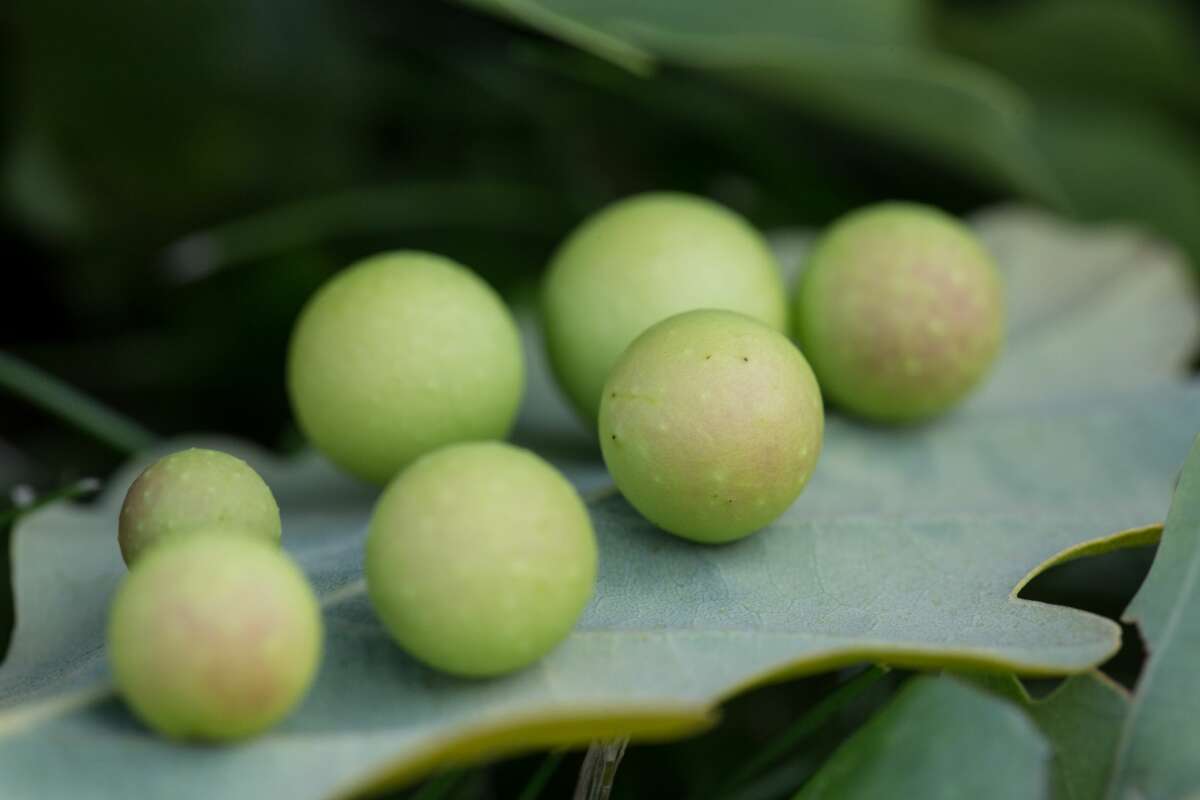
{"points": [[906, 548]]}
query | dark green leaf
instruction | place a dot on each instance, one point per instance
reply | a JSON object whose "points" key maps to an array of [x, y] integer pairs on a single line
{"points": [[812, 721], [938, 739], [868, 66], [1114, 83], [1119, 162], [1129, 50], [1082, 720], [1157, 753]]}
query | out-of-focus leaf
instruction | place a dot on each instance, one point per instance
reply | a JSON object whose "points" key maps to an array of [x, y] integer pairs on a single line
{"points": [[1142, 52], [905, 548], [147, 114], [876, 22], [35, 185], [562, 26], [1115, 88], [873, 71], [1082, 720], [948, 111], [1157, 753], [1120, 162], [753, 166], [938, 739], [383, 210]]}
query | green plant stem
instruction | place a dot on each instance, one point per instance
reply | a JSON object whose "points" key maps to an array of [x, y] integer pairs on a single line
{"points": [[76, 490], [816, 717], [69, 404], [542, 776], [440, 786]]}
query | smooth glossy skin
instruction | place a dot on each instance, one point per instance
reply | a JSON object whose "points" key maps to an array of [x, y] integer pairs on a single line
{"points": [[711, 424], [399, 355], [638, 262], [214, 636], [193, 490], [480, 558], [900, 311]]}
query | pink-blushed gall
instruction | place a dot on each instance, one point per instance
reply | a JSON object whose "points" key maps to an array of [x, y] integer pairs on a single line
{"points": [[711, 424], [900, 311], [214, 636]]}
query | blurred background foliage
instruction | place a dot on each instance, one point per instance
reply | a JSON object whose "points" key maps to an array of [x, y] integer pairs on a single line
{"points": [[176, 179]]}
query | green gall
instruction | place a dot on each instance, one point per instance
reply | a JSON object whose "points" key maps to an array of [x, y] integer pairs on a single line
{"points": [[711, 425], [900, 311], [638, 262], [480, 558], [399, 355], [194, 490], [214, 636]]}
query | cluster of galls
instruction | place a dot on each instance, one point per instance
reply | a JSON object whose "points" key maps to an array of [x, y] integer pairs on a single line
{"points": [[214, 633], [666, 321], [710, 418]]}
